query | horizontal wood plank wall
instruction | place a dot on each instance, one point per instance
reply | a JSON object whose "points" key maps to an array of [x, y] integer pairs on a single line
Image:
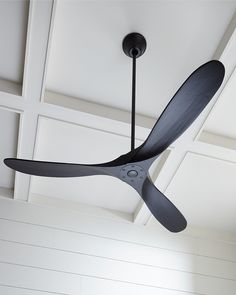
{"points": [[45, 250], [10, 290]]}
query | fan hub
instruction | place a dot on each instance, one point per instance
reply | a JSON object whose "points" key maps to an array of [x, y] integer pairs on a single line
{"points": [[132, 173]]}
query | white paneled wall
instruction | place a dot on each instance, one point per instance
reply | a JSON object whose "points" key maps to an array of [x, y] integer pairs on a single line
{"points": [[45, 250]]}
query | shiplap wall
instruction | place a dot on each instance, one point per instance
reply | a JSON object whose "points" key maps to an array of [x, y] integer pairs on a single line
{"points": [[46, 250]]}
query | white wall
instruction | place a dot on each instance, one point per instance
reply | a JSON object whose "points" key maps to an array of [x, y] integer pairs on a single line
{"points": [[45, 250]]}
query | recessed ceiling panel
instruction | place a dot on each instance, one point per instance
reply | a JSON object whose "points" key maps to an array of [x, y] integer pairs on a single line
{"points": [[222, 120], [204, 189], [9, 122], [86, 58], [13, 29], [65, 142]]}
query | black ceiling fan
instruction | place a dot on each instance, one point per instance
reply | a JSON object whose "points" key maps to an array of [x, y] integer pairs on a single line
{"points": [[132, 168]]}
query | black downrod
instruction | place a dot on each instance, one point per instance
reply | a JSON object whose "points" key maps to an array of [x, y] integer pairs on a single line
{"points": [[134, 45], [133, 104]]}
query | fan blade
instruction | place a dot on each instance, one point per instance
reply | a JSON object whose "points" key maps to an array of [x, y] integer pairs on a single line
{"points": [[55, 169], [183, 109], [162, 208]]}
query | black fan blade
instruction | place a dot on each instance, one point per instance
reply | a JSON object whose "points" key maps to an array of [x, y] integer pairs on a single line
{"points": [[55, 169], [162, 208], [183, 109]]}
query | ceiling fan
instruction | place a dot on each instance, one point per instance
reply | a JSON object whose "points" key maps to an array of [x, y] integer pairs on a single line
{"points": [[132, 168]]}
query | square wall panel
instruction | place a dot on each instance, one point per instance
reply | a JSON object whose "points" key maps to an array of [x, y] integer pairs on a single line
{"points": [[66, 142], [13, 31], [87, 61], [204, 189], [9, 122]]}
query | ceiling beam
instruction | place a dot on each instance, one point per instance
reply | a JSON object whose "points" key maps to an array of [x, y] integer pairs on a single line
{"points": [[93, 115], [8, 100], [218, 140], [38, 35], [84, 106]]}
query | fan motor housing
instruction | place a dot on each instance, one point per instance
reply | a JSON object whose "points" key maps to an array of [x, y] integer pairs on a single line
{"points": [[132, 173]]}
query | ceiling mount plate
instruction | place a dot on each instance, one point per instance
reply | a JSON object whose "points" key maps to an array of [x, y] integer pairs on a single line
{"points": [[134, 45]]}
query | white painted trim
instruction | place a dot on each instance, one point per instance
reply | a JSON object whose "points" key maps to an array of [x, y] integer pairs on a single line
{"points": [[39, 25]]}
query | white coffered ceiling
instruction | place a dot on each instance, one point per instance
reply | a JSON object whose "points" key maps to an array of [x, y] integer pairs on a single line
{"points": [[65, 96]]}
